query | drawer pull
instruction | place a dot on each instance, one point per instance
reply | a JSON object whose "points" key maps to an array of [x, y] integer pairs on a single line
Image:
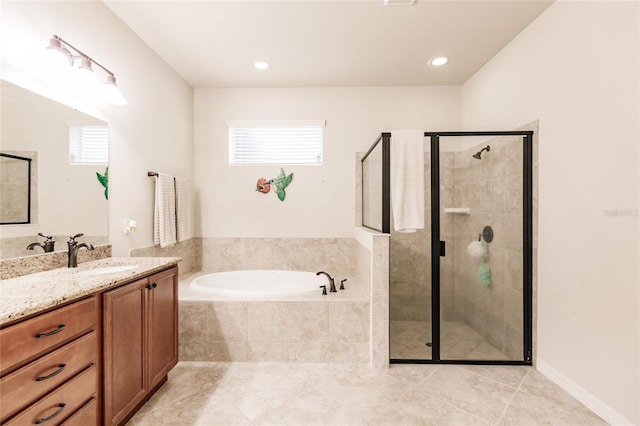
{"points": [[58, 411], [52, 332], [55, 373]]}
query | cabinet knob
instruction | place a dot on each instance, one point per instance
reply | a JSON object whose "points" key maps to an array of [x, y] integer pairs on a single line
{"points": [[148, 287], [154, 285]]}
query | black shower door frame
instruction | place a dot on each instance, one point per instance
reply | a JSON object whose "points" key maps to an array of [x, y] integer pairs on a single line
{"points": [[438, 246]]}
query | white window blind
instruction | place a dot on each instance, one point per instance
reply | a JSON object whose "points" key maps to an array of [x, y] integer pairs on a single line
{"points": [[88, 144], [271, 143]]}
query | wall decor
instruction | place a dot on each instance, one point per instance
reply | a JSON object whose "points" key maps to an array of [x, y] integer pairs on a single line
{"points": [[104, 181], [280, 183]]}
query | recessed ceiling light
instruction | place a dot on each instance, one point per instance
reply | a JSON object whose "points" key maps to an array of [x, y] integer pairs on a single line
{"points": [[439, 61], [261, 65], [398, 2]]}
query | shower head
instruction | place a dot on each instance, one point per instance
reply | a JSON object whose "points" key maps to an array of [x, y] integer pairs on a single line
{"points": [[478, 155]]}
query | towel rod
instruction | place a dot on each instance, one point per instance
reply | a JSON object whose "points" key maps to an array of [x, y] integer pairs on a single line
{"points": [[152, 174]]}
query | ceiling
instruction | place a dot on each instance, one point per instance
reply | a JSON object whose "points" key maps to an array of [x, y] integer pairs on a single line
{"points": [[325, 43]]}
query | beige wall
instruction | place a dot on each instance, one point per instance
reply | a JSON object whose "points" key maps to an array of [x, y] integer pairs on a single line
{"points": [[320, 200], [555, 71], [153, 132]]}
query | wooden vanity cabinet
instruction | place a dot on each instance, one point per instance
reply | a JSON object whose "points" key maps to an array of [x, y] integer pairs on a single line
{"points": [[49, 366], [140, 325]]}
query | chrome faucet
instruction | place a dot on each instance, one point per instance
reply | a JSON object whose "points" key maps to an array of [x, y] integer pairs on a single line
{"points": [[73, 250], [47, 245], [332, 283]]}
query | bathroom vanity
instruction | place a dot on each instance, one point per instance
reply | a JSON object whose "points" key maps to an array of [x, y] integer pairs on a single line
{"points": [[87, 345]]}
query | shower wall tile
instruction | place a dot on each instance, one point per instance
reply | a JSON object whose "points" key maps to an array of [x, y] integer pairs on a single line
{"points": [[492, 189]]}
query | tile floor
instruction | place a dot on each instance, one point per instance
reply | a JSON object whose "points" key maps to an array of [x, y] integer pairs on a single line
{"points": [[246, 393], [459, 341]]}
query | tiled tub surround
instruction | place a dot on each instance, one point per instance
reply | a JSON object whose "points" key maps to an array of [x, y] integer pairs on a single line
{"points": [[16, 267], [190, 251], [314, 328], [30, 294], [334, 255]]}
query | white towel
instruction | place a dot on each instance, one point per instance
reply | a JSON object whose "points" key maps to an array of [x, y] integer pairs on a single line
{"points": [[183, 208], [407, 179], [164, 213]]}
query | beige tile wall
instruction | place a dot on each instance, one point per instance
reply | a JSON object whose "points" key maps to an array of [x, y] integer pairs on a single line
{"points": [[329, 331], [333, 255], [190, 251], [492, 189]]}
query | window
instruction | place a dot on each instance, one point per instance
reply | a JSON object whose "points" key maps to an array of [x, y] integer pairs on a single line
{"points": [[272, 142], [88, 145]]}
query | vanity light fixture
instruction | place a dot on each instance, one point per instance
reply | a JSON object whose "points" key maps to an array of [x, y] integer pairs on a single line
{"points": [[261, 65], [84, 63], [439, 61]]}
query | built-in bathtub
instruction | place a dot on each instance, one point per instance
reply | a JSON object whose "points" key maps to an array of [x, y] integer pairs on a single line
{"points": [[259, 284], [255, 316]]}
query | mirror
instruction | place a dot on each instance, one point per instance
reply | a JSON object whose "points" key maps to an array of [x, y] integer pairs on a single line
{"points": [[15, 188], [64, 197]]}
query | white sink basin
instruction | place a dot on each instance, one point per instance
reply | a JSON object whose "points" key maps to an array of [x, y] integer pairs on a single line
{"points": [[107, 270]]}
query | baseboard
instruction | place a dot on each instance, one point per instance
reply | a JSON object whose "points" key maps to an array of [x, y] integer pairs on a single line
{"points": [[609, 414]]}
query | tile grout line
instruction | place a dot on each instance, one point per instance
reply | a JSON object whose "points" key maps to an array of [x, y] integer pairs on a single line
{"points": [[513, 396]]}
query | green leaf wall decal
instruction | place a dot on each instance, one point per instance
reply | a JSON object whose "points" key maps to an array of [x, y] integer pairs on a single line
{"points": [[104, 181]]}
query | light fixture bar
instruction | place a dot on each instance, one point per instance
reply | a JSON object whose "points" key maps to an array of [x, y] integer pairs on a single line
{"points": [[81, 54], [85, 63]]}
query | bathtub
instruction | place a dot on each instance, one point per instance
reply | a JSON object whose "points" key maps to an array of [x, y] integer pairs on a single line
{"points": [[259, 284]]}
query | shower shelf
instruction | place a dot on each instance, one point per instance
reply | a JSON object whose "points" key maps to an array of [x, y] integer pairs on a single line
{"points": [[457, 210]]}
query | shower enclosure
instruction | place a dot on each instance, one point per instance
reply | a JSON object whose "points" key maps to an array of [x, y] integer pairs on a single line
{"points": [[460, 290]]}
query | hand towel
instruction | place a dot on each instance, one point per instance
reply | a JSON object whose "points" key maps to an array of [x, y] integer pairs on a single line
{"points": [[164, 213], [407, 180], [183, 208]]}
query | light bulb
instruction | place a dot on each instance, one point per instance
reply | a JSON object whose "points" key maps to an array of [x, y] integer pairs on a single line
{"points": [[112, 93]]}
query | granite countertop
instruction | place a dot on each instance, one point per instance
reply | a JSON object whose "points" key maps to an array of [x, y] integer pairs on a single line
{"points": [[29, 294]]}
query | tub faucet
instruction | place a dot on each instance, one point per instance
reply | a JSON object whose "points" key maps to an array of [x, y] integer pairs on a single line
{"points": [[332, 283], [73, 250], [47, 245]]}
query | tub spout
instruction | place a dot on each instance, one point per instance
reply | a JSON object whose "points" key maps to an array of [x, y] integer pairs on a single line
{"points": [[332, 283]]}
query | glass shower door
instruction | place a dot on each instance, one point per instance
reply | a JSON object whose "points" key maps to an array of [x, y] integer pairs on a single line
{"points": [[481, 275]]}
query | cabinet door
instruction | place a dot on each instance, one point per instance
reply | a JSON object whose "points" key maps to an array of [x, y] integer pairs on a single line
{"points": [[163, 325], [125, 311]]}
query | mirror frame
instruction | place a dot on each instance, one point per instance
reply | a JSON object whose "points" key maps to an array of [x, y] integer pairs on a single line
{"points": [[28, 160]]}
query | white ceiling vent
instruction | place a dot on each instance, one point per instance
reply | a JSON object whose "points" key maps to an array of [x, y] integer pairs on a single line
{"points": [[399, 2]]}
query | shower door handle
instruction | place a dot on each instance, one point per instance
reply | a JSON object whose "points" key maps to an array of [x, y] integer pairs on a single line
{"points": [[442, 248]]}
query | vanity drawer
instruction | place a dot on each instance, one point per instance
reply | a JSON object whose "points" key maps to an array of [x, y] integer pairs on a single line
{"points": [[36, 379], [61, 403], [86, 416], [23, 341]]}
